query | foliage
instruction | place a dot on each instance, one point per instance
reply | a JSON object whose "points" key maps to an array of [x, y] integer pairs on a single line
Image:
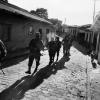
{"points": [[33, 12], [55, 21], [58, 25], [4, 0], [42, 12]]}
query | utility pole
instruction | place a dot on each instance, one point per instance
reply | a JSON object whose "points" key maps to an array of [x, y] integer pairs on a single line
{"points": [[94, 10]]}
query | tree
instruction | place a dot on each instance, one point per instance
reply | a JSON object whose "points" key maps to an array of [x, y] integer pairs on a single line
{"points": [[55, 21], [42, 12], [4, 0], [58, 25], [33, 12]]}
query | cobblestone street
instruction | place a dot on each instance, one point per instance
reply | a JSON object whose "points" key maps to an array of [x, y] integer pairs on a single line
{"points": [[64, 80]]}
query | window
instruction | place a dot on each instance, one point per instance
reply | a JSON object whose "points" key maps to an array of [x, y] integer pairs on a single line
{"points": [[5, 32], [31, 31], [47, 31]]}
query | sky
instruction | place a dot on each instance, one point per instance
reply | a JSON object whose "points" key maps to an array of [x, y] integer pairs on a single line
{"points": [[71, 12]]}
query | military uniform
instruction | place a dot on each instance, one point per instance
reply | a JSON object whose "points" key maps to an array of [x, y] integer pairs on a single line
{"points": [[58, 46], [65, 45], [35, 46], [51, 49]]}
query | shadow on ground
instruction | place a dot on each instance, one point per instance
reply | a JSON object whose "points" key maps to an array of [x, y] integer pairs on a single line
{"points": [[18, 89], [13, 61], [80, 48]]}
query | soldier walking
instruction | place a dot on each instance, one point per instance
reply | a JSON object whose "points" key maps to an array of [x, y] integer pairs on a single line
{"points": [[35, 46], [58, 46], [52, 51], [65, 45]]}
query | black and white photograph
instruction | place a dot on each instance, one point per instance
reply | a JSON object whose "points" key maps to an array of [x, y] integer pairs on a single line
{"points": [[49, 49]]}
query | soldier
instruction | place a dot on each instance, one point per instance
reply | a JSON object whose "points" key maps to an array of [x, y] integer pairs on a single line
{"points": [[58, 46], [35, 46], [51, 49], [65, 45], [70, 40]]}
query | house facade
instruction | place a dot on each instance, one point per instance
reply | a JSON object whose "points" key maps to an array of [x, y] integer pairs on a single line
{"points": [[96, 29], [18, 26]]}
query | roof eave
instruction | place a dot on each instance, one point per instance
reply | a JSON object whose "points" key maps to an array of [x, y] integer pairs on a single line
{"points": [[26, 14]]}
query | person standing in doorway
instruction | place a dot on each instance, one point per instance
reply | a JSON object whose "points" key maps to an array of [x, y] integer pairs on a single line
{"points": [[35, 46]]}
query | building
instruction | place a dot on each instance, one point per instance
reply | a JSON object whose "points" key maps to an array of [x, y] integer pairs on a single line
{"points": [[72, 30], [18, 26], [96, 29]]}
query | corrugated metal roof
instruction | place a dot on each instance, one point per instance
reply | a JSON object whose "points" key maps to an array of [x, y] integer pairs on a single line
{"points": [[18, 10]]}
